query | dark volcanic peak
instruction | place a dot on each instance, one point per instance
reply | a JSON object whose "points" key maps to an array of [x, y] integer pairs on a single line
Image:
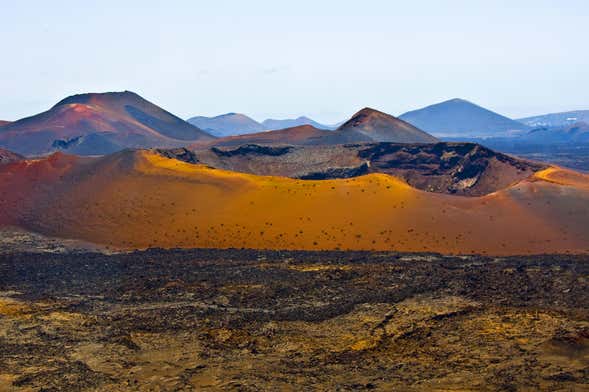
{"points": [[227, 124], [382, 127], [99, 123], [9, 157], [458, 117]]}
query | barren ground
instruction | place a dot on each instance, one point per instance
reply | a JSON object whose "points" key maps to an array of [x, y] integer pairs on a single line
{"points": [[267, 320]]}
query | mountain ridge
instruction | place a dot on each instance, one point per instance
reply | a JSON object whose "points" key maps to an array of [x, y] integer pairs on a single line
{"points": [[227, 124], [556, 119], [276, 124], [365, 126]]}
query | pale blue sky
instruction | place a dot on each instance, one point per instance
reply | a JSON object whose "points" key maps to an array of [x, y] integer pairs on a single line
{"points": [[324, 59]]}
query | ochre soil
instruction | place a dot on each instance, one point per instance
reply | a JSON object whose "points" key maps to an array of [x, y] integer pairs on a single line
{"points": [[139, 199]]}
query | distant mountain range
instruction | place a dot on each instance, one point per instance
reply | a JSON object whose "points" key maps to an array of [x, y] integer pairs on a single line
{"points": [[367, 125], [102, 123], [99, 123], [575, 133], [571, 133], [556, 119], [289, 123], [233, 124], [227, 124], [450, 119], [458, 117]]}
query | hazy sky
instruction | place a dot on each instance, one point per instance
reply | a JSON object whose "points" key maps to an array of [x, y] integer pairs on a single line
{"points": [[324, 59]]}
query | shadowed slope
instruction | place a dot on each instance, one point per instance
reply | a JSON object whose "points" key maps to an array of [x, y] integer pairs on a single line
{"points": [[3, 122], [142, 199], [99, 123]]}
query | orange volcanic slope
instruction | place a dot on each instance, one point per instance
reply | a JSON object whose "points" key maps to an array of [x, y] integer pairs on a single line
{"points": [[140, 199]]}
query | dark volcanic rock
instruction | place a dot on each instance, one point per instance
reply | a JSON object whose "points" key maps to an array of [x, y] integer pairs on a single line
{"points": [[340, 172], [253, 149], [464, 168], [9, 157], [181, 154], [199, 319]]}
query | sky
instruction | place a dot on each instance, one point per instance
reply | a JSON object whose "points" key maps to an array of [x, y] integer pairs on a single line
{"points": [[274, 59]]}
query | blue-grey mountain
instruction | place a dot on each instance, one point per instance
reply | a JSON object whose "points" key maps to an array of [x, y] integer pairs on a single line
{"points": [[293, 122], [458, 117], [227, 124]]}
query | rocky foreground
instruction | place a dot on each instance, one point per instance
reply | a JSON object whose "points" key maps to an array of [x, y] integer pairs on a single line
{"points": [[266, 320]]}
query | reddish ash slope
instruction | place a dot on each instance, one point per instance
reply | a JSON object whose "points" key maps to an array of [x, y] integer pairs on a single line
{"points": [[99, 123], [3, 122], [141, 199], [382, 127], [299, 135], [25, 181]]}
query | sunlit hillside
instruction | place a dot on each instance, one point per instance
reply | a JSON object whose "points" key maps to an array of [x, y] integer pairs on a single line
{"points": [[139, 199]]}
